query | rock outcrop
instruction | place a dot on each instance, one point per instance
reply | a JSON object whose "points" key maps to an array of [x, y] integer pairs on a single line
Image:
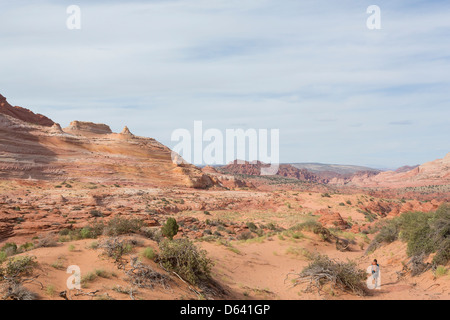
{"points": [[34, 147], [330, 219], [23, 114], [284, 170], [435, 172], [88, 127]]}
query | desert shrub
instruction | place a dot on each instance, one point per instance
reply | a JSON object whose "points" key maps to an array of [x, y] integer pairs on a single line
{"points": [[440, 227], [154, 234], [16, 291], [58, 264], [272, 226], [9, 248], [96, 213], [183, 257], [389, 232], [440, 271], [11, 278], [118, 226], [143, 276], [90, 232], [85, 233], [246, 235], [102, 273], [116, 248], [64, 232], [149, 253], [424, 233], [45, 241], [3, 256], [309, 225], [442, 253], [251, 226], [170, 228], [26, 246], [88, 277], [416, 231], [17, 267], [341, 275]]}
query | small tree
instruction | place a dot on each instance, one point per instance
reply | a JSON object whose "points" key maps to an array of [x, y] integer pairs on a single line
{"points": [[170, 229]]}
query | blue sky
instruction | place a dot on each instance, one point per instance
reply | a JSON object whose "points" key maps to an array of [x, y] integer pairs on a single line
{"points": [[338, 92]]}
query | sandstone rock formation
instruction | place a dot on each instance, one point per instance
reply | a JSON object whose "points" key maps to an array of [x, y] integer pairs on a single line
{"points": [[23, 114], [34, 147], [330, 219], [284, 170], [435, 172]]}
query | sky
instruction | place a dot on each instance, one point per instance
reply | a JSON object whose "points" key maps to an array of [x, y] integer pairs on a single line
{"points": [[337, 91]]}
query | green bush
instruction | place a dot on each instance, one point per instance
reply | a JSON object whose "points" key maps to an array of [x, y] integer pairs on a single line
{"points": [[9, 248], [149, 253], [440, 271], [118, 226], [170, 228], [3, 256], [18, 267], [315, 227], [389, 232], [183, 257], [26, 246], [251, 226], [424, 233]]}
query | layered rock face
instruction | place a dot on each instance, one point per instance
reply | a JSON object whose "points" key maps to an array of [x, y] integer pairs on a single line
{"points": [[88, 127], [435, 172], [225, 180], [284, 170], [34, 147], [23, 114]]}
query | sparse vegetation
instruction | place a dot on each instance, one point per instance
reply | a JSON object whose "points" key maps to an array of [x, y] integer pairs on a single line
{"points": [[340, 275], [149, 253], [143, 276], [18, 270], [119, 226], [115, 248], [424, 233], [183, 257], [441, 271]]}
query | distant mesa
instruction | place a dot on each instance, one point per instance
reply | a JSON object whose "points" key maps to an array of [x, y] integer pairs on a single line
{"points": [[406, 168], [97, 128]]}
